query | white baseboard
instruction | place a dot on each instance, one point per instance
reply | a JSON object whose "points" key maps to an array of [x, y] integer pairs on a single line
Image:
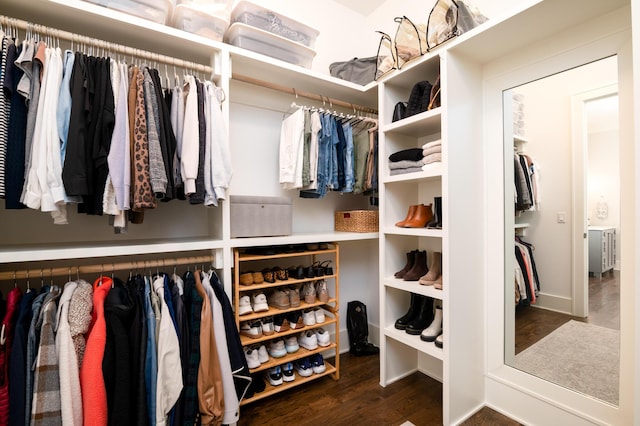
{"points": [[555, 303]]}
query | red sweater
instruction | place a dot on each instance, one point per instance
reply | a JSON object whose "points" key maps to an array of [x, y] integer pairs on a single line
{"points": [[8, 324], [94, 395]]}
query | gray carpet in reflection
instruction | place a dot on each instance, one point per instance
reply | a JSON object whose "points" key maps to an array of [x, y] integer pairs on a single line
{"points": [[579, 356]]}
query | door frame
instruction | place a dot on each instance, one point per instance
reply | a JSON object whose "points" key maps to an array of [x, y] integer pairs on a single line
{"points": [[580, 232]]}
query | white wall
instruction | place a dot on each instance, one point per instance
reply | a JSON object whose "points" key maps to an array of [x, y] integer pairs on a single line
{"points": [[548, 129]]}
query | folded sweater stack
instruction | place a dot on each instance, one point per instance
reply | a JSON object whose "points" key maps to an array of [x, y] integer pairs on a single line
{"points": [[414, 159]]}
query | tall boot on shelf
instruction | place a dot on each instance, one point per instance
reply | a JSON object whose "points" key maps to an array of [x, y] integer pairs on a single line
{"points": [[423, 319], [412, 313], [430, 333], [410, 213], [423, 215], [411, 259], [436, 222], [419, 267], [435, 268]]}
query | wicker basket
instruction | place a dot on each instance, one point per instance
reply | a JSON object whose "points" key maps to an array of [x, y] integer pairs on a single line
{"points": [[356, 221]]}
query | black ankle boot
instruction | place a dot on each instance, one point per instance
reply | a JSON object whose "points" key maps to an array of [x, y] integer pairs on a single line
{"points": [[437, 214], [423, 319], [411, 258], [414, 310]]}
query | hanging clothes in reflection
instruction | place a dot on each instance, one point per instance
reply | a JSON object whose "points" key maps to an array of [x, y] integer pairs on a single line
{"points": [[323, 151], [526, 183], [104, 135], [527, 284]]}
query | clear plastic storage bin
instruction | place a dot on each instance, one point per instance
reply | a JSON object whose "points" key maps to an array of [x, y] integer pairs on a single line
{"points": [[198, 21], [218, 8], [154, 10], [248, 13], [266, 43]]}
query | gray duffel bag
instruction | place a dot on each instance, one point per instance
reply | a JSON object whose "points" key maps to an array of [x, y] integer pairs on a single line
{"points": [[357, 70]]}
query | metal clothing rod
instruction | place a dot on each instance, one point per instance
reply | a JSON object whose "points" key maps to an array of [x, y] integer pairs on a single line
{"points": [[103, 268], [7, 23], [313, 96]]}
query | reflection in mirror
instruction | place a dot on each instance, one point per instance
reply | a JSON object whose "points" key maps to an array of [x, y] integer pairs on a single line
{"points": [[563, 229]]}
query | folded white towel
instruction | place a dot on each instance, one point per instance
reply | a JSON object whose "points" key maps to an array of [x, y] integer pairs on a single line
{"points": [[430, 144]]}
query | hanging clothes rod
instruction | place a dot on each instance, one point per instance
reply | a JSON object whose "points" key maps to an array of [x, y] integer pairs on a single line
{"points": [[292, 91], [103, 268], [54, 33]]}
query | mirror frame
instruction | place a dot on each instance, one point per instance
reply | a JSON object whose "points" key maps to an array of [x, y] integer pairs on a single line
{"points": [[526, 397]]}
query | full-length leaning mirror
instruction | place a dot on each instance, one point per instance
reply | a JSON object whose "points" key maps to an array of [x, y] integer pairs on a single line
{"points": [[562, 218]]}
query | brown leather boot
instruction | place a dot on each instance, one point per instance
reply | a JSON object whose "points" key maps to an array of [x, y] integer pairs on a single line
{"points": [[411, 259], [410, 214], [419, 267], [423, 215]]}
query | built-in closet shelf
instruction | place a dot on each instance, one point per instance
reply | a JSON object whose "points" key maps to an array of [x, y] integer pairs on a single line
{"points": [[270, 390], [521, 225], [303, 238], [57, 252], [414, 232], [520, 139], [428, 348], [73, 16], [422, 124], [414, 287], [414, 71], [300, 353], [432, 173]]}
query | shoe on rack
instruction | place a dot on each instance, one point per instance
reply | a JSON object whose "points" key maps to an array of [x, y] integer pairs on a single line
{"points": [[434, 269], [410, 213], [422, 216], [277, 348], [279, 299], [251, 329], [322, 336], [296, 272], [288, 375], [251, 355], [423, 319], [280, 274], [274, 375], [414, 309], [309, 292], [303, 367], [308, 340], [317, 363], [257, 277], [321, 291], [244, 305], [280, 323], [263, 355], [246, 278], [295, 320], [326, 266], [268, 276], [260, 302], [294, 296], [267, 326], [308, 317], [419, 268], [411, 258], [257, 382], [319, 314], [430, 333], [291, 344], [439, 341], [437, 284]]}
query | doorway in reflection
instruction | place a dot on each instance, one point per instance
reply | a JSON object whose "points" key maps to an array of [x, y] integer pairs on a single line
{"points": [[567, 285]]}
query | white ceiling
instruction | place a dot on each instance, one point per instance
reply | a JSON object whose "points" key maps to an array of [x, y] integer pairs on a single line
{"points": [[363, 7]]}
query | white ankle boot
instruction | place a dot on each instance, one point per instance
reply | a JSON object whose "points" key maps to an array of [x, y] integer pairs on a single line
{"points": [[430, 333]]}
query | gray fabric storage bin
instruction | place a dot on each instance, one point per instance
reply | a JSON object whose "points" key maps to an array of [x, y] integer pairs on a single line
{"points": [[256, 216]]}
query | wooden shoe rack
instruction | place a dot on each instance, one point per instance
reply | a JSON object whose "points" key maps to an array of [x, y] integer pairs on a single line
{"points": [[246, 259]]}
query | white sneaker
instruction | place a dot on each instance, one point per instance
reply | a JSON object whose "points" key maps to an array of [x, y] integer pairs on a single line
{"points": [[260, 302], [277, 349], [274, 375], [322, 336], [244, 305], [303, 366], [319, 315], [308, 340], [308, 317], [251, 356], [291, 344], [317, 364], [252, 329], [263, 356], [288, 375]]}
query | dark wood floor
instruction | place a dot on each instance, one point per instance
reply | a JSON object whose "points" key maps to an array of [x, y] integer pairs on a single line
{"points": [[532, 324], [358, 399]]}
